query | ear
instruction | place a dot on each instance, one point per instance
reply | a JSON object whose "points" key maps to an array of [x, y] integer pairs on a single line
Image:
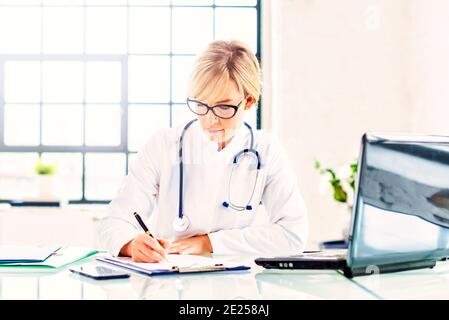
{"points": [[250, 101]]}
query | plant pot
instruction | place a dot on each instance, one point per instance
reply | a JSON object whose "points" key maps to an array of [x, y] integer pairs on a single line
{"points": [[46, 186]]}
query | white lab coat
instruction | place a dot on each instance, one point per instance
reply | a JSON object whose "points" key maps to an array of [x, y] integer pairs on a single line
{"points": [[152, 189]]}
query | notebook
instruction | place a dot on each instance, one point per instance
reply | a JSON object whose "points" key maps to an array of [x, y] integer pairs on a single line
{"points": [[176, 264], [59, 258], [26, 254]]}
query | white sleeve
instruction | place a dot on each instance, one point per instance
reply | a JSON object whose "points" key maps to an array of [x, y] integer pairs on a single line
{"points": [[287, 230], [137, 193]]}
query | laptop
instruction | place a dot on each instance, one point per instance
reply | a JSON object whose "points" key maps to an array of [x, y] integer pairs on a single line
{"points": [[400, 217]]}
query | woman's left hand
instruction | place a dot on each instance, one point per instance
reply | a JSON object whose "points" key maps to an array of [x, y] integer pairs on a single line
{"points": [[193, 245]]}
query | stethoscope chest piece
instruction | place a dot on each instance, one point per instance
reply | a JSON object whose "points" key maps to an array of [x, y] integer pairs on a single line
{"points": [[181, 224]]}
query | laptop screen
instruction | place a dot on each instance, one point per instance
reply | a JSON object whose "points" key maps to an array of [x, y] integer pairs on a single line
{"points": [[401, 209]]}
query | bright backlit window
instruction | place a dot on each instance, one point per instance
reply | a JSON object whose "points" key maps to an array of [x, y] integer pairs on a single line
{"points": [[86, 82]]}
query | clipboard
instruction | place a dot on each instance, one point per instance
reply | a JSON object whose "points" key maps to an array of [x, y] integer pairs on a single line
{"points": [[219, 267]]}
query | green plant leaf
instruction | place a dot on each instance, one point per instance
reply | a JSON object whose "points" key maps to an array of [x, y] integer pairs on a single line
{"points": [[340, 195], [44, 168]]}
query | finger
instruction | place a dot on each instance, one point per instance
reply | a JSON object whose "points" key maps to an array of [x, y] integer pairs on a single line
{"points": [[154, 245], [183, 248], [173, 248], [164, 243], [149, 256], [157, 256], [188, 250], [138, 256], [145, 253]]}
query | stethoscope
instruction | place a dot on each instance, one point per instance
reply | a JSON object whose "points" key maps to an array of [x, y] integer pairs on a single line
{"points": [[181, 223]]}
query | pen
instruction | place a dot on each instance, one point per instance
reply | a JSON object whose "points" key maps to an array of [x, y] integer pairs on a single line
{"points": [[144, 227]]}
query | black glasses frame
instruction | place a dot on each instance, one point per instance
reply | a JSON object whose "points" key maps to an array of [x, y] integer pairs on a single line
{"points": [[235, 107]]}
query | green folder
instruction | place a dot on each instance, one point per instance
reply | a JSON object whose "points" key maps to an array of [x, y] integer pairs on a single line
{"points": [[62, 257]]}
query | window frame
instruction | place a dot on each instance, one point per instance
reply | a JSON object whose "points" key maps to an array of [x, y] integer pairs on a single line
{"points": [[123, 59]]}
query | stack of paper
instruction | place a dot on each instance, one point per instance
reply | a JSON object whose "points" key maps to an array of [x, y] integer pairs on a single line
{"points": [[25, 254], [41, 256], [176, 263]]}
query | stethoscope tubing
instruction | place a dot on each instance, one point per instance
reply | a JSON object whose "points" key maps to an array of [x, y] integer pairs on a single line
{"points": [[235, 160]]}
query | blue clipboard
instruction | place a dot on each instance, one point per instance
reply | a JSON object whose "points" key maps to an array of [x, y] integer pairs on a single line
{"points": [[180, 270]]}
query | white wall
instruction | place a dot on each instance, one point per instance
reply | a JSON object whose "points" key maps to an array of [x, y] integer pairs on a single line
{"points": [[340, 68], [428, 72]]}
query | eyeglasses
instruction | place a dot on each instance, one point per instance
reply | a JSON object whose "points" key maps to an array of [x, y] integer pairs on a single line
{"points": [[223, 111]]}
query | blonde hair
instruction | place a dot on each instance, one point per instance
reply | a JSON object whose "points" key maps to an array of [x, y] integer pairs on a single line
{"points": [[221, 62]]}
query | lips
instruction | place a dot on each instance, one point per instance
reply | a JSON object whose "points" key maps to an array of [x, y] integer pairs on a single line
{"points": [[214, 131]]}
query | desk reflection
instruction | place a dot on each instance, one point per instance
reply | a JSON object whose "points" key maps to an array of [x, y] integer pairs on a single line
{"points": [[308, 284], [254, 284]]}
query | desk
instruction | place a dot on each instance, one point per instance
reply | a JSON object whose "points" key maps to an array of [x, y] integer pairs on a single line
{"points": [[413, 284], [257, 283]]}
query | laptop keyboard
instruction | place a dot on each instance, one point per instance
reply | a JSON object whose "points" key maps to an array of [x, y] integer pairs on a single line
{"points": [[337, 253]]}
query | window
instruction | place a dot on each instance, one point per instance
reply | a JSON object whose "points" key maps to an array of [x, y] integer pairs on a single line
{"points": [[86, 82]]}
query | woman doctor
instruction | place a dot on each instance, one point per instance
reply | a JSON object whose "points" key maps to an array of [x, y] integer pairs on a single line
{"points": [[198, 186]]}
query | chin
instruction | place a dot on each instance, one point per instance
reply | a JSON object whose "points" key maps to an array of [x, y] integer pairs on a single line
{"points": [[220, 136], [216, 138]]}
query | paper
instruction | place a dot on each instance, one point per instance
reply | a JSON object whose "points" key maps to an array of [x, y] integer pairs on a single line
{"points": [[12, 253], [60, 258], [176, 260]]}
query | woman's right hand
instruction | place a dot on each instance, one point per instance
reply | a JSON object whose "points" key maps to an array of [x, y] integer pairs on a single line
{"points": [[145, 249]]}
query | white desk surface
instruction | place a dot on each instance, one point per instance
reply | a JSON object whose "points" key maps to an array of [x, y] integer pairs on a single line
{"points": [[410, 285], [257, 283]]}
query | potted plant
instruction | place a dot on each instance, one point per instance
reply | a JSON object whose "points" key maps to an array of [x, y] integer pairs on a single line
{"points": [[46, 179], [343, 188]]}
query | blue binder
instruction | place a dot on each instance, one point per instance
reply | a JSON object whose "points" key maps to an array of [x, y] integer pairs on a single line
{"points": [[175, 270]]}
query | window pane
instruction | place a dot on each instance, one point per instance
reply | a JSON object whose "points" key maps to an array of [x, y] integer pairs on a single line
{"points": [[104, 173], [235, 2], [63, 81], [17, 175], [149, 2], [143, 121], [63, 30], [20, 30], [245, 30], [22, 124], [63, 2], [131, 158], [103, 81], [149, 30], [192, 29], [106, 30], [192, 2], [181, 114], [69, 173], [105, 2], [103, 125], [20, 2], [22, 81], [182, 67], [149, 79], [62, 124]]}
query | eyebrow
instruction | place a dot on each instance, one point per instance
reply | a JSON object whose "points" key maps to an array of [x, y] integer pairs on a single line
{"points": [[222, 101]]}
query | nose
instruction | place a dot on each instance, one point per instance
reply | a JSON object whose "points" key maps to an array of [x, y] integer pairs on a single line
{"points": [[211, 117]]}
